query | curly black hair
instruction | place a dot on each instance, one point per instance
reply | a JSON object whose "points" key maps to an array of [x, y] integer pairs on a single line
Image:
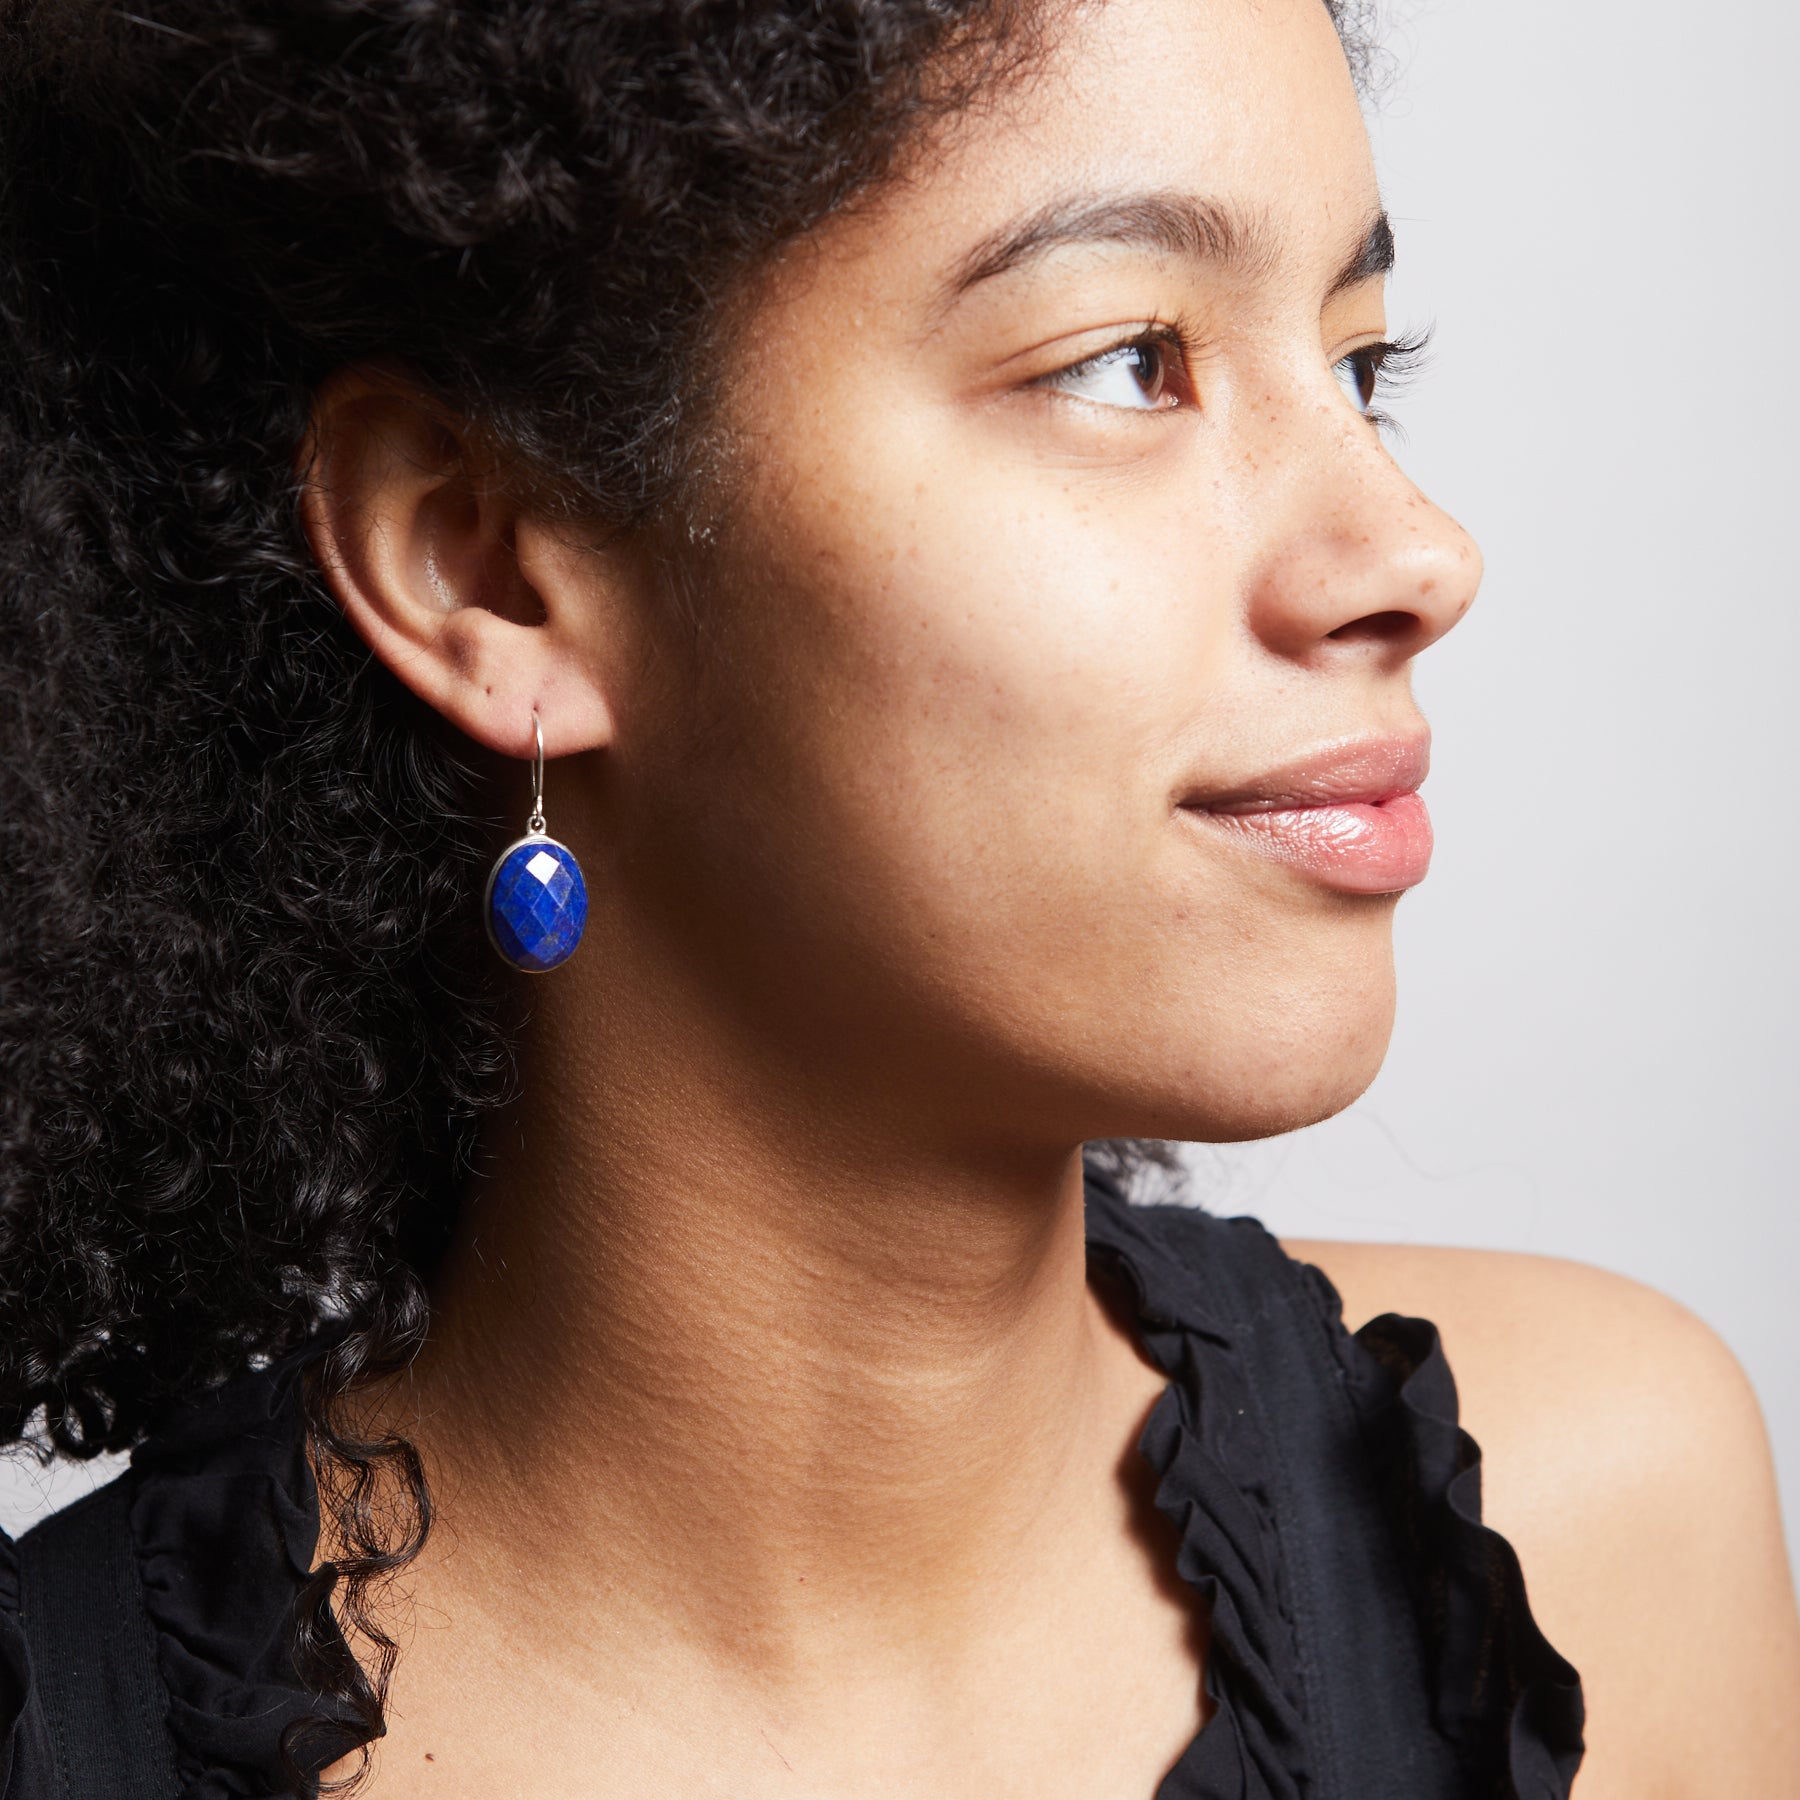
{"points": [[246, 1029]]}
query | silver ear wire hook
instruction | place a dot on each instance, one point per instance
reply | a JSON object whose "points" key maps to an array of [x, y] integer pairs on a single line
{"points": [[536, 822]]}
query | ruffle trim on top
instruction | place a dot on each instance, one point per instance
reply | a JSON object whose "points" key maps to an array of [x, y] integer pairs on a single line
{"points": [[1504, 1696], [226, 1522], [1212, 1483]]}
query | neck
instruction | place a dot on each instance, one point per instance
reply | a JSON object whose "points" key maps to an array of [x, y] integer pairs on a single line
{"points": [[786, 1387]]}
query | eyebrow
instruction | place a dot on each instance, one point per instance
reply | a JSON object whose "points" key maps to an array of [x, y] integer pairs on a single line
{"points": [[1177, 224], [1373, 256]]}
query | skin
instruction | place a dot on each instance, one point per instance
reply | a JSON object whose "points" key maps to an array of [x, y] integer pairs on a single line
{"points": [[780, 1443]]}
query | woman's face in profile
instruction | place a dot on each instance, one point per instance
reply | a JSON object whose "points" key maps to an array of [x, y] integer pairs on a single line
{"points": [[1055, 576]]}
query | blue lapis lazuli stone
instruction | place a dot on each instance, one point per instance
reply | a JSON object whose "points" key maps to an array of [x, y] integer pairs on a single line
{"points": [[537, 905]]}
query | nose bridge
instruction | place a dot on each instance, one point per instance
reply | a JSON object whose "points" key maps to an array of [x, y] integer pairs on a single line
{"points": [[1352, 553]]}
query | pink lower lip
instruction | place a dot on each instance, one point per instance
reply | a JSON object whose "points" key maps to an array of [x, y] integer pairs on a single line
{"points": [[1358, 847]]}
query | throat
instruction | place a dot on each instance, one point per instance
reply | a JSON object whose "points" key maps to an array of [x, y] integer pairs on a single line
{"points": [[778, 1432], [726, 1480]]}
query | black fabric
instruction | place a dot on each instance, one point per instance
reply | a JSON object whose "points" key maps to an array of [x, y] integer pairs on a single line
{"points": [[102, 1701], [225, 1521], [169, 1596], [1370, 1638]]}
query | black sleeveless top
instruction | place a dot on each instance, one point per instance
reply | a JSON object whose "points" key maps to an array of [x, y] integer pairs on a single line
{"points": [[1370, 1637]]}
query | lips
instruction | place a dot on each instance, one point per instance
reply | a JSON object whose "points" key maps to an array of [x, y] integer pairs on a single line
{"points": [[1349, 816]]}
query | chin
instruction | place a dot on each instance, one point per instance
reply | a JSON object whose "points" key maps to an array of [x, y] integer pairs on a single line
{"points": [[1268, 1115], [1258, 1071]]}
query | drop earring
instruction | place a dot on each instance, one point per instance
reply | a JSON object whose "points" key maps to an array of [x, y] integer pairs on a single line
{"points": [[536, 900]]}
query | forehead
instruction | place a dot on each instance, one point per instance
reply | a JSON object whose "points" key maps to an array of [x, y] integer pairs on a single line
{"points": [[1245, 107]]}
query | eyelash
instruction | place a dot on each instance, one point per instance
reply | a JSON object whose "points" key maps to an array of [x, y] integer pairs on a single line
{"points": [[1170, 336], [1393, 362]]}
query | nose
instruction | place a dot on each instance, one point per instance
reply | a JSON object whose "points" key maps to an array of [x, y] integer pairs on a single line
{"points": [[1355, 562]]}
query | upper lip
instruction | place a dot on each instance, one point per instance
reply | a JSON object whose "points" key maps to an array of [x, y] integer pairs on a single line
{"points": [[1344, 773]]}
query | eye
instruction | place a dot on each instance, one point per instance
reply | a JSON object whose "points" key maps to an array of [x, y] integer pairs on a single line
{"points": [[1373, 371], [1135, 377], [1359, 375]]}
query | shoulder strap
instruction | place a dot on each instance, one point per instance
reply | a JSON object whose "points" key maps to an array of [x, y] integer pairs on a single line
{"points": [[93, 1652], [1361, 1650]]}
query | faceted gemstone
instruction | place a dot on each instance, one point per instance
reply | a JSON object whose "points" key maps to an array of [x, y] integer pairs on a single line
{"points": [[537, 905]]}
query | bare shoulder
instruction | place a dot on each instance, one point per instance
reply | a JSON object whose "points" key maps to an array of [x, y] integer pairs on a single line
{"points": [[1564, 1360], [1625, 1457]]}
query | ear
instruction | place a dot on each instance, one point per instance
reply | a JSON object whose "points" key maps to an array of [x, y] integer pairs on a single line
{"points": [[481, 609]]}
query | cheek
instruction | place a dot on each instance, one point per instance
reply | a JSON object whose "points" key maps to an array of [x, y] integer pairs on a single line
{"points": [[961, 673]]}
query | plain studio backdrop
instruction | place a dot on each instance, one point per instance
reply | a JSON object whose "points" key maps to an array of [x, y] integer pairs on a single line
{"points": [[1598, 1052]]}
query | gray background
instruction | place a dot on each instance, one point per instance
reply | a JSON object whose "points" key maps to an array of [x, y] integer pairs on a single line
{"points": [[1597, 1048]]}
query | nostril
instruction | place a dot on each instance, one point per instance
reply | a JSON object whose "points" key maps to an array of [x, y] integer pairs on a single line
{"points": [[1378, 628]]}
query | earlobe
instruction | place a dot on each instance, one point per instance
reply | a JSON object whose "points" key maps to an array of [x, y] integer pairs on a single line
{"points": [[420, 541]]}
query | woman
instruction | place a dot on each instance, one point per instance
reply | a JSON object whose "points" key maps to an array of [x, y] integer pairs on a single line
{"points": [[915, 469]]}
